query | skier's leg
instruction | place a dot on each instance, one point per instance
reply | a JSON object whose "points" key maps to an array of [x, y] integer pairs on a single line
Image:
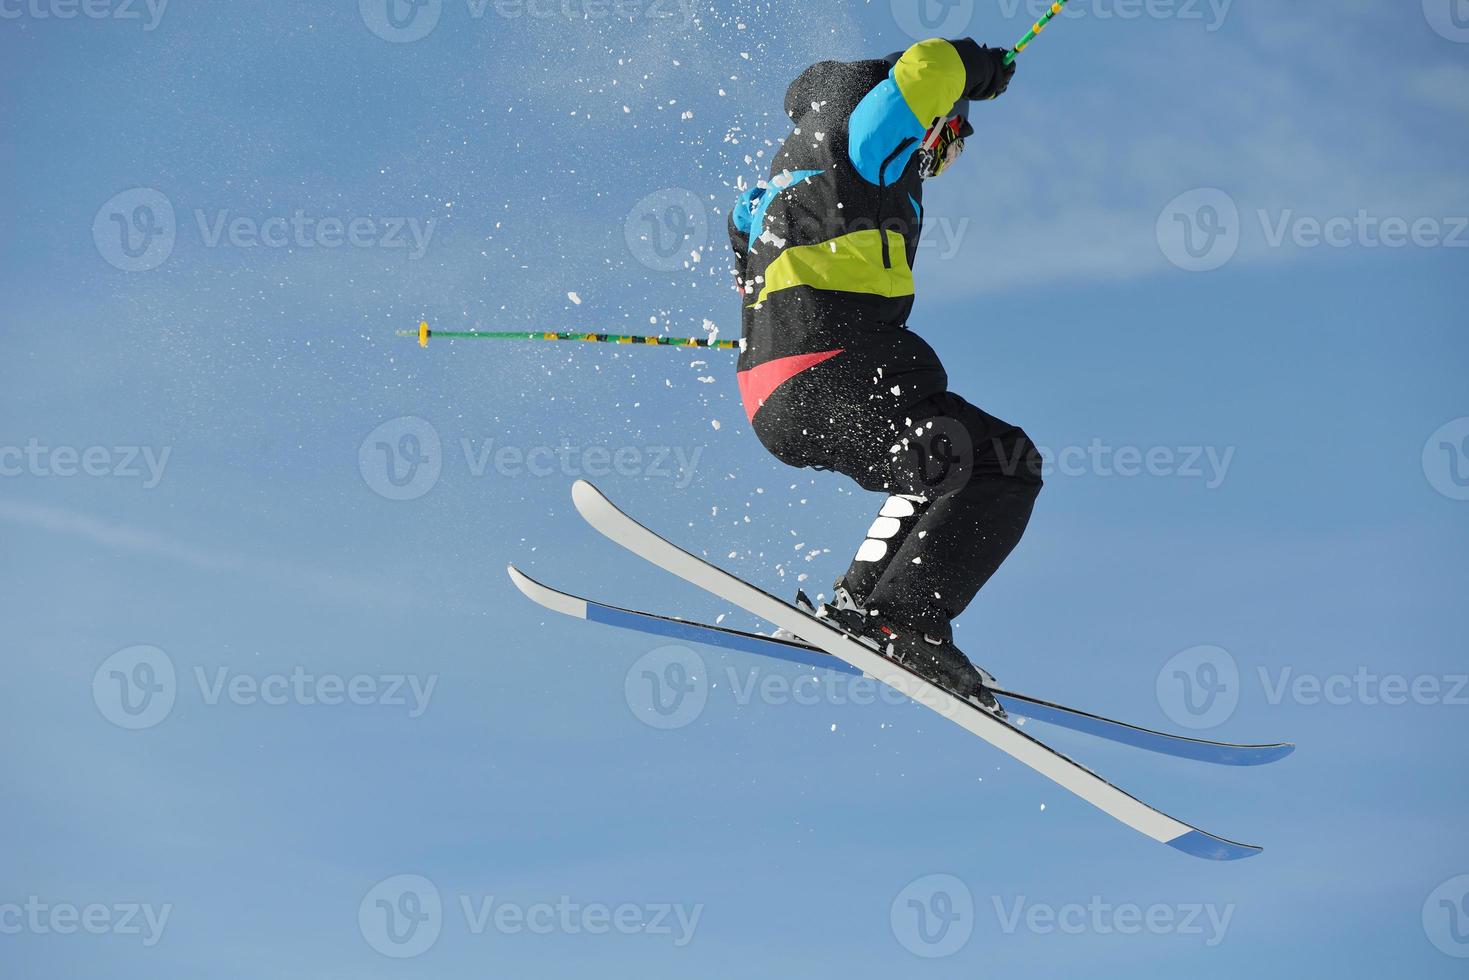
{"points": [[899, 515], [981, 476]]}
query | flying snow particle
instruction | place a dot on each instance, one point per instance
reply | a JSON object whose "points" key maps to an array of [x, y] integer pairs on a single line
{"points": [[574, 298]]}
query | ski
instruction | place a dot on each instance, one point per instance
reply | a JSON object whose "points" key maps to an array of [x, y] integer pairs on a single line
{"points": [[612, 523], [806, 655]]}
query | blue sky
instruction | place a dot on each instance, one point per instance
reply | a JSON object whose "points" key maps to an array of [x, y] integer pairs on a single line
{"points": [[1128, 262]]}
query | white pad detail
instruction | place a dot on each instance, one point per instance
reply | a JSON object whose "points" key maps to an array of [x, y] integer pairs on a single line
{"points": [[884, 528], [898, 507], [871, 551]]}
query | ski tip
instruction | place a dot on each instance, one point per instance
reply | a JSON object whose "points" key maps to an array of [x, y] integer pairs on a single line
{"points": [[1228, 754], [1203, 845], [587, 498], [1272, 753], [544, 595]]}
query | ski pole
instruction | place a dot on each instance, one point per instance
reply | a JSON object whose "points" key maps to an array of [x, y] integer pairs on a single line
{"points": [[1056, 7], [424, 333], [1039, 26]]}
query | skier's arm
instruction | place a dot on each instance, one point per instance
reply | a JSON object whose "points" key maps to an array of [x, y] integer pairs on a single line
{"points": [[923, 86], [740, 221]]}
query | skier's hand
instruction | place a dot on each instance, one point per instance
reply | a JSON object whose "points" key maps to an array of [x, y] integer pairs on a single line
{"points": [[999, 76]]}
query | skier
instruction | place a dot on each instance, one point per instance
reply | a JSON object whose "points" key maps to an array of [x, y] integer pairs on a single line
{"points": [[831, 377]]}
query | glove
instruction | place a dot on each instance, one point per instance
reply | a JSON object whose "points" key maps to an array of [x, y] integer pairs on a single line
{"points": [[999, 76]]}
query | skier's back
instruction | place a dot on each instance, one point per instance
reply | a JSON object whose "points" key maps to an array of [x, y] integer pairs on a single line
{"points": [[832, 378]]}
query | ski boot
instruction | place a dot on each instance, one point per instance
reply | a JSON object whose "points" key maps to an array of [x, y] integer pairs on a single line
{"points": [[933, 658]]}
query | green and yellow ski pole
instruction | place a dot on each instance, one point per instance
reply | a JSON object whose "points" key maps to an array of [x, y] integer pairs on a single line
{"points": [[424, 333], [1039, 26], [1056, 7]]}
